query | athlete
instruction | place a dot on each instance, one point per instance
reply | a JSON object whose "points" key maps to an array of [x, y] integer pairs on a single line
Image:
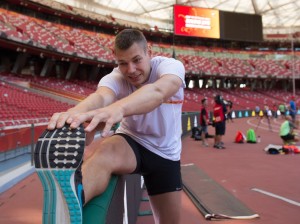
{"points": [[145, 95]]}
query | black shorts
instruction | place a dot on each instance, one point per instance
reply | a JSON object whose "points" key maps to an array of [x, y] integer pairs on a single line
{"points": [[160, 175], [220, 128]]}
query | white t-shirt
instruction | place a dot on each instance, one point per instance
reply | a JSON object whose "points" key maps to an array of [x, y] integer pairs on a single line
{"points": [[159, 130]]}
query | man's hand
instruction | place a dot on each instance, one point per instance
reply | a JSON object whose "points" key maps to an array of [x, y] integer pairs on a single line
{"points": [[58, 120], [109, 115]]}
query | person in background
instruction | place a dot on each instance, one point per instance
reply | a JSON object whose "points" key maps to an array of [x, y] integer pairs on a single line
{"points": [[287, 131], [282, 110], [275, 109], [229, 105], [219, 112], [257, 110], [204, 122], [268, 115], [293, 109]]}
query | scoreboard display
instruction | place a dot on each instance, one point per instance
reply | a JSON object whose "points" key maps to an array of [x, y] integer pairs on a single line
{"points": [[196, 22]]}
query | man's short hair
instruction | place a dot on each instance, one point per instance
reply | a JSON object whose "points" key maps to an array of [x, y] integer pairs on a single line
{"points": [[203, 100], [127, 37]]}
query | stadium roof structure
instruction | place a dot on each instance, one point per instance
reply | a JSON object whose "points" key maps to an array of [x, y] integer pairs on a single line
{"points": [[278, 16]]}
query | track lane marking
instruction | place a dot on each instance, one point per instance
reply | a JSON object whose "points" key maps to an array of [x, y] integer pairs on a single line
{"points": [[276, 196]]}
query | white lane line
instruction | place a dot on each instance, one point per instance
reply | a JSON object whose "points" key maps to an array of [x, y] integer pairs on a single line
{"points": [[262, 125], [276, 196]]}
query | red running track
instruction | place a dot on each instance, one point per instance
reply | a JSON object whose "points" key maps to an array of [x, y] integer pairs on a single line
{"points": [[239, 168]]}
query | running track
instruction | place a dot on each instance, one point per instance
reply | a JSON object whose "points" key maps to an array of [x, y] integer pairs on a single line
{"points": [[239, 168]]}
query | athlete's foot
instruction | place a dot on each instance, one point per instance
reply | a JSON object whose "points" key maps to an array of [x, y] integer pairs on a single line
{"points": [[219, 146], [205, 144]]}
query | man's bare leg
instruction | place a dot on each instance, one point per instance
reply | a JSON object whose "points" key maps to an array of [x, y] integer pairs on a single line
{"points": [[111, 155], [166, 207]]}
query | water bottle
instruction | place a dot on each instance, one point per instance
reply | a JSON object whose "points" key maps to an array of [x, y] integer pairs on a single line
{"points": [[258, 139]]}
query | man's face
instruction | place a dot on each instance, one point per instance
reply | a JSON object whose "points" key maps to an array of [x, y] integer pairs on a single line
{"points": [[134, 63]]}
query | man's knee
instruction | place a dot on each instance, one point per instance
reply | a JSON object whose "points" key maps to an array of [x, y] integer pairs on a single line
{"points": [[167, 207], [115, 154]]}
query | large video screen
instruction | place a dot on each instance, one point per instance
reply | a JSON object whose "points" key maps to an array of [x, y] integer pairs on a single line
{"points": [[196, 22], [241, 26]]}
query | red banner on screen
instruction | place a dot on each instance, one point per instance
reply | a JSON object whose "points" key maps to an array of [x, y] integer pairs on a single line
{"points": [[197, 22]]}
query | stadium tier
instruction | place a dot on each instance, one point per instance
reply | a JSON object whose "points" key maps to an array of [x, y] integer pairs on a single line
{"points": [[96, 46], [16, 99]]}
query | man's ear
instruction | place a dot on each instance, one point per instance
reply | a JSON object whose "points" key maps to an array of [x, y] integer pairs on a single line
{"points": [[113, 51]]}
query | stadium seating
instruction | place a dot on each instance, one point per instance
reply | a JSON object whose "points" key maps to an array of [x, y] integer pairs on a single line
{"points": [[270, 68], [19, 106], [214, 61], [91, 45]]}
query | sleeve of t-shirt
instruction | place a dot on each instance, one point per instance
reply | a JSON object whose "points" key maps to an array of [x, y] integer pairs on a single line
{"points": [[112, 81], [172, 66]]}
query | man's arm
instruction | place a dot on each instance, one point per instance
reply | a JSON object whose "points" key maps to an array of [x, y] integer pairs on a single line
{"points": [[205, 120], [204, 116], [150, 96], [102, 97], [144, 100]]}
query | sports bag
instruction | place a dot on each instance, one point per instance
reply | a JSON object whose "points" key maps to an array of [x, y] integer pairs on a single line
{"points": [[239, 138], [251, 137]]}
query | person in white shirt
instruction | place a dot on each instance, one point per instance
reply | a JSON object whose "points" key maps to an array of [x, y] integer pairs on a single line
{"points": [[145, 95]]}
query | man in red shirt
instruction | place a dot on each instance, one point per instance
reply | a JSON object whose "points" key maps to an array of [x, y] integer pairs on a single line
{"points": [[219, 120]]}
